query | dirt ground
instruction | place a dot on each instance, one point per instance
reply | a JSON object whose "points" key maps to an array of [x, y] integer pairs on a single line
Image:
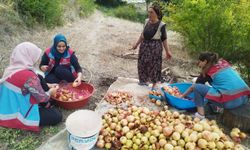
{"points": [[102, 44]]}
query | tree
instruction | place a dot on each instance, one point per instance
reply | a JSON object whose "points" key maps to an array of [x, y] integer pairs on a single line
{"points": [[218, 26], [147, 4]]}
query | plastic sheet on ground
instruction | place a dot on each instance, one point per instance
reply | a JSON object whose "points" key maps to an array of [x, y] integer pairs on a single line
{"points": [[140, 98], [139, 94]]}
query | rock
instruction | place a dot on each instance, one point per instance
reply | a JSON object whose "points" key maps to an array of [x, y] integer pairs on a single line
{"points": [[239, 117]]}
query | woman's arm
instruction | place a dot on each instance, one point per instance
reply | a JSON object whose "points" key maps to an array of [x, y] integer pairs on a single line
{"points": [[165, 42], [75, 63], [188, 91], [202, 80], [44, 63], [33, 86], [78, 68], [167, 49], [138, 42], [43, 83]]}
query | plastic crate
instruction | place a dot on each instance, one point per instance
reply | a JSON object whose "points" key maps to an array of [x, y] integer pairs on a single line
{"points": [[177, 102]]}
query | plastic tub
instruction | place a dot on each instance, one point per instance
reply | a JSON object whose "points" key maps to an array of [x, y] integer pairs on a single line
{"points": [[85, 89], [83, 128], [177, 102]]}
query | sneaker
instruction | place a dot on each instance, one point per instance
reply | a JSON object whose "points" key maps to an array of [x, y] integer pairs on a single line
{"points": [[197, 115]]}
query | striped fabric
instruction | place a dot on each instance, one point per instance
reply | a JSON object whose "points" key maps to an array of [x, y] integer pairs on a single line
{"points": [[16, 111], [227, 85]]}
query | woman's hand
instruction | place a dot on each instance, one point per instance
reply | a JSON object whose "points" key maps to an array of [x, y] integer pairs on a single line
{"points": [[188, 91], [44, 68], [167, 49], [138, 42], [78, 80], [134, 47], [52, 91], [52, 85], [168, 55]]}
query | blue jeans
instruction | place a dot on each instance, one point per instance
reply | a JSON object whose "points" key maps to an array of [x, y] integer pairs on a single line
{"points": [[200, 91]]}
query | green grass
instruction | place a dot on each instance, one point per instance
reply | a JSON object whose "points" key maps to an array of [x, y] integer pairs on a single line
{"points": [[10, 26], [42, 12], [14, 139], [10, 21], [86, 7], [126, 11]]}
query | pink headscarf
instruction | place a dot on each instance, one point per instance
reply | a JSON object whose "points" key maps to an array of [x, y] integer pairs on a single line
{"points": [[24, 56]]}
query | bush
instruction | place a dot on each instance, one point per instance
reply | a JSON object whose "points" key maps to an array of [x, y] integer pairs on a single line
{"points": [[6, 2], [111, 3], [40, 11], [10, 26], [10, 20], [129, 12], [86, 7], [218, 26]]}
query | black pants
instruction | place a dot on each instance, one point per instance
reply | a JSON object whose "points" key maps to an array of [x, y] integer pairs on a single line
{"points": [[48, 116], [60, 73]]}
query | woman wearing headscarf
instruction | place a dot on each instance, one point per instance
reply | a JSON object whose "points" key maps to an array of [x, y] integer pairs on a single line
{"points": [[152, 41], [228, 90], [21, 92], [59, 62]]}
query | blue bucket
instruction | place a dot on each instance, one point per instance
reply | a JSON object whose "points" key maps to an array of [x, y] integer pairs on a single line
{"points": [[177, 102]]}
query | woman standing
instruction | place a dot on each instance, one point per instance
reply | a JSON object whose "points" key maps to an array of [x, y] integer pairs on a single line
{"points": [[152, 41], [59, 62], [21, 92]]}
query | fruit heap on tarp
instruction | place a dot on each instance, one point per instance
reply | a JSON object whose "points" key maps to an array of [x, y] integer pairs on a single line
{"points": [[237, 135], [155, 97], [118, 97], [140, 128]]}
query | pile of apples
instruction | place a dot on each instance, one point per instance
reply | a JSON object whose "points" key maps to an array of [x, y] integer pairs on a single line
{"points": [[117, 97], [139, 128], [64, 94], [155, 93], [237, 135], [172, 91], [154, 100]]}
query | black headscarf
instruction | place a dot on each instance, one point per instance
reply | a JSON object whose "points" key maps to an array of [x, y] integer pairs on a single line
{"points": [[157, 10]]}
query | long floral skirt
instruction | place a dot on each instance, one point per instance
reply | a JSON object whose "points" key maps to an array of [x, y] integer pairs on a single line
{"points": [[150, 61]]}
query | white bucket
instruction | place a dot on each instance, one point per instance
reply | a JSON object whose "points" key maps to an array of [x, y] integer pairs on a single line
{"points": [[83, 128]]}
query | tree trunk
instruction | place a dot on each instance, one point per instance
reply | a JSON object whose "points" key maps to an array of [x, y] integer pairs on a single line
{"points": [[239, 117]]}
